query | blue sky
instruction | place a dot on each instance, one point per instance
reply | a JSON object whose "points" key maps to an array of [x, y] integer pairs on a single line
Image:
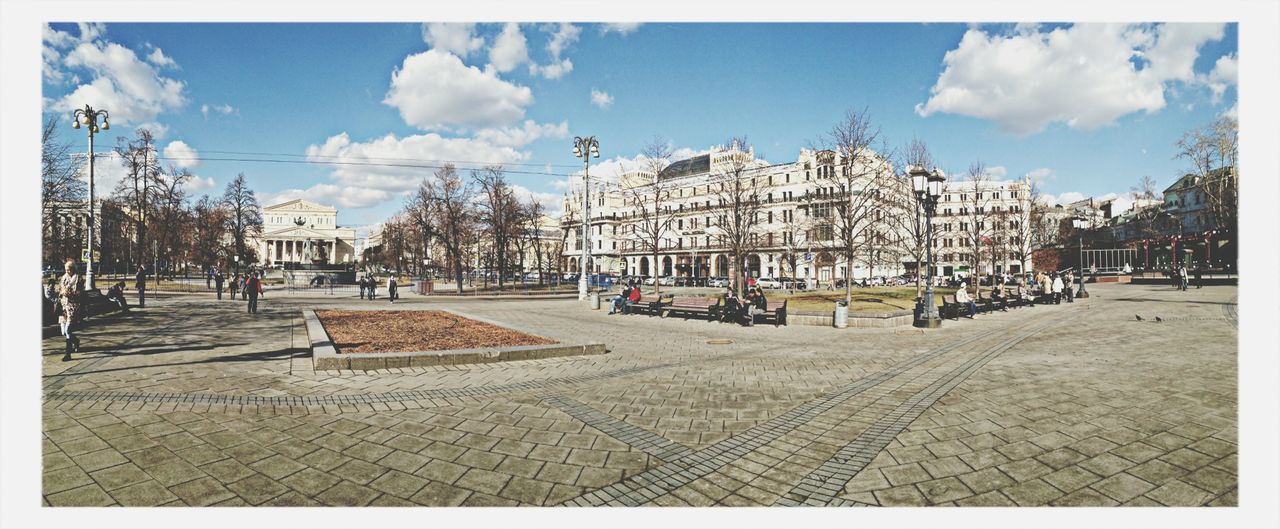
{"points": [[1086, 109]]}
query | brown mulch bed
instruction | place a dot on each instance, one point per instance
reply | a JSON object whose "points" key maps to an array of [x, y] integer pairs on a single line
{"points": [[388, 331]]}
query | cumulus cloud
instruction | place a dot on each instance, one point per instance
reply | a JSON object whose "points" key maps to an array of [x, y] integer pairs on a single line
{"points": [[131, 89], [1085, 75], [1040, 175], [563, 35], [343, 197], [181, 154], [456, 38], [108, 172], [1225, 73], [621, 28], [552, 203], [201, 183], [399, 164], [224, 109], [435, 90], [601, 99], [997, 172], [510, 49], [553, 70], [524, 135], [158, 58]]}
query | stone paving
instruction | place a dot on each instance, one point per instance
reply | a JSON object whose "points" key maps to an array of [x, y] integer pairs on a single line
{"points": [[193, 402]]}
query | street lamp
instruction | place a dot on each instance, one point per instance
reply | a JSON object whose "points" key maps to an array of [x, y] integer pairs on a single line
{"points": [[928, 189], [585, 148], [89, 117], [1080, 223]]}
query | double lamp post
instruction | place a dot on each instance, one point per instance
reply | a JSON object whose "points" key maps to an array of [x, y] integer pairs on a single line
{"points": [[928, 189], [585, 148], [89, 117]]}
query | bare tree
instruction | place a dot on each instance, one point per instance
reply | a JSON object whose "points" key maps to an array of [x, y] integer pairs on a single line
{"points": [[498, 212], [531, 215], [1213, 153], [60, 185], [738, 206], [858, 188], [136, 190], [172, 217], [907, 214], [650, 202], [1022, 224], [449, 198], [975, 210], [209, 221], [244, 217]]}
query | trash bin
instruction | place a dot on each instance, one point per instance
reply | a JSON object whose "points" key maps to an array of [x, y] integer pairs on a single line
{"points": [[426, 287], [595, 301], [842, 315]]}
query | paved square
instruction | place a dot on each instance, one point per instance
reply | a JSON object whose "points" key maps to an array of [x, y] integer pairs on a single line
{"points": [[193, 402]]}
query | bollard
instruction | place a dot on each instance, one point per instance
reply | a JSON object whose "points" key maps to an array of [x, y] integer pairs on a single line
{"points": [[595, 301]]}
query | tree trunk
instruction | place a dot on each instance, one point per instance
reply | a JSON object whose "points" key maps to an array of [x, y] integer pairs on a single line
{"points": [[657, 287]]}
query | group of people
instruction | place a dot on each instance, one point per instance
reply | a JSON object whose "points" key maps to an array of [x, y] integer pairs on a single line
{"points": [[248, 286], [1051, 286], [736, 308], [369, 288]]}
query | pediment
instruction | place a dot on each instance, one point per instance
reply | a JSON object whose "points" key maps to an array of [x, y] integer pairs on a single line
{"points": [[301, 205], [297, 232]]}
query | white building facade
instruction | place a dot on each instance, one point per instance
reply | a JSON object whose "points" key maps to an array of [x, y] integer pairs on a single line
{"points": [[304, 232], [794, 237]]}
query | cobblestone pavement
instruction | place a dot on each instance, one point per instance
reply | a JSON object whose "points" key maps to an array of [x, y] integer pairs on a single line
{"points": [[193, 402]]}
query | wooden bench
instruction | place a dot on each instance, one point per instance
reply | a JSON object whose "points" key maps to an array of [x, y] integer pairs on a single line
{"points": [[709, 306], [94, 303], [949, 309], [647, 303], [776, 310], [985, 303]]}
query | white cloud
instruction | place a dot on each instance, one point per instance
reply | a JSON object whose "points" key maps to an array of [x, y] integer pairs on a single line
{"points": [[342, 197], [224, 109], [108, 171], [510, 49], [159, 59], [1225, 74], [1120, 202], [158, 130], [1085, 76], [199, 183], [406, 160], [521, 136], [1040, 175], [182, 155], [601, 99], [997, 172], [552, 203], [553, 70], [1233, 112], [565, 35], [1064, 198], [456, 38], [621, 28], [131, 90], [435, 90]]}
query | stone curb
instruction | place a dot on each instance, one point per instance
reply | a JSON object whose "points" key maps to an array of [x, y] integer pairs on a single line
{"points": [[898, 318], [324, 356]]}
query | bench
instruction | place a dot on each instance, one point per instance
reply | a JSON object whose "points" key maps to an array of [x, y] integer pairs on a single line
{"points": [[985, 303], [949, 309], [687, 305], [776, 310], [94, 303], [647, 303]]}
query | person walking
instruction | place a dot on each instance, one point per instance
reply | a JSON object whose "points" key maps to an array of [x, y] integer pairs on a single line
{"points": [[71, 297], [235, 286], [363, 286], [1182, 276], [217, 282], [1057, 289], [252, 288], [1067, 283], [391, 289], [1199, 273], [140, 283], [373, 287]]}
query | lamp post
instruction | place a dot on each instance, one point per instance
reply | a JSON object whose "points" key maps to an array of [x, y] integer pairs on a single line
{"points": [[928, 189], [89, 117], [1080, 223], [585, 148]]}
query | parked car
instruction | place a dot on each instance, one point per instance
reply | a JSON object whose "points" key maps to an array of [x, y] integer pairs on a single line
{"points": [[667, 281], [768, 282], [719, 282]]}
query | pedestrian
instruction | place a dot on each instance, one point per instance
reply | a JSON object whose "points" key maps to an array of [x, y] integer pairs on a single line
{"points": [[363, 286], [1199, 273], [115, 294], [1067, 283], [217, 283], [373, 287], [1057, 289], [391, 289], [962, 297], [252, 288], [140, 283], [71, 297], [1182, 276], [208, 277], [235, 285]]}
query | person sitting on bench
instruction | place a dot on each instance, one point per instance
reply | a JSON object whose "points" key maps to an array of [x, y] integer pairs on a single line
{"points": [[732, 304], [619, 301], [962, 297], [115, 294], [756, 304], [998, 295]]}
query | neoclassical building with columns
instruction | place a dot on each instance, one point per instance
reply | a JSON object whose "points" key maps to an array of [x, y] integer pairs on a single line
{"points": [[300, 231]]}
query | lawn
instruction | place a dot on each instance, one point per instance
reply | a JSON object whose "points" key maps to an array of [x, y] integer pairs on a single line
{"points": [[866, 300]]}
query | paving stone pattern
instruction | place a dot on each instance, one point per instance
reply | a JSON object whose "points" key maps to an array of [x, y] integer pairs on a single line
{"points": [[193, 402]]}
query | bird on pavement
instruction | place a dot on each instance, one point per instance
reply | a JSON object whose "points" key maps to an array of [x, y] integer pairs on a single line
{"points": [[1158, 318], [1137, 316]]}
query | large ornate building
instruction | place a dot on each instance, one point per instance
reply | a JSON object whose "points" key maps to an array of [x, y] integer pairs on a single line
{"points": [[792, 227], [300, 231]]}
